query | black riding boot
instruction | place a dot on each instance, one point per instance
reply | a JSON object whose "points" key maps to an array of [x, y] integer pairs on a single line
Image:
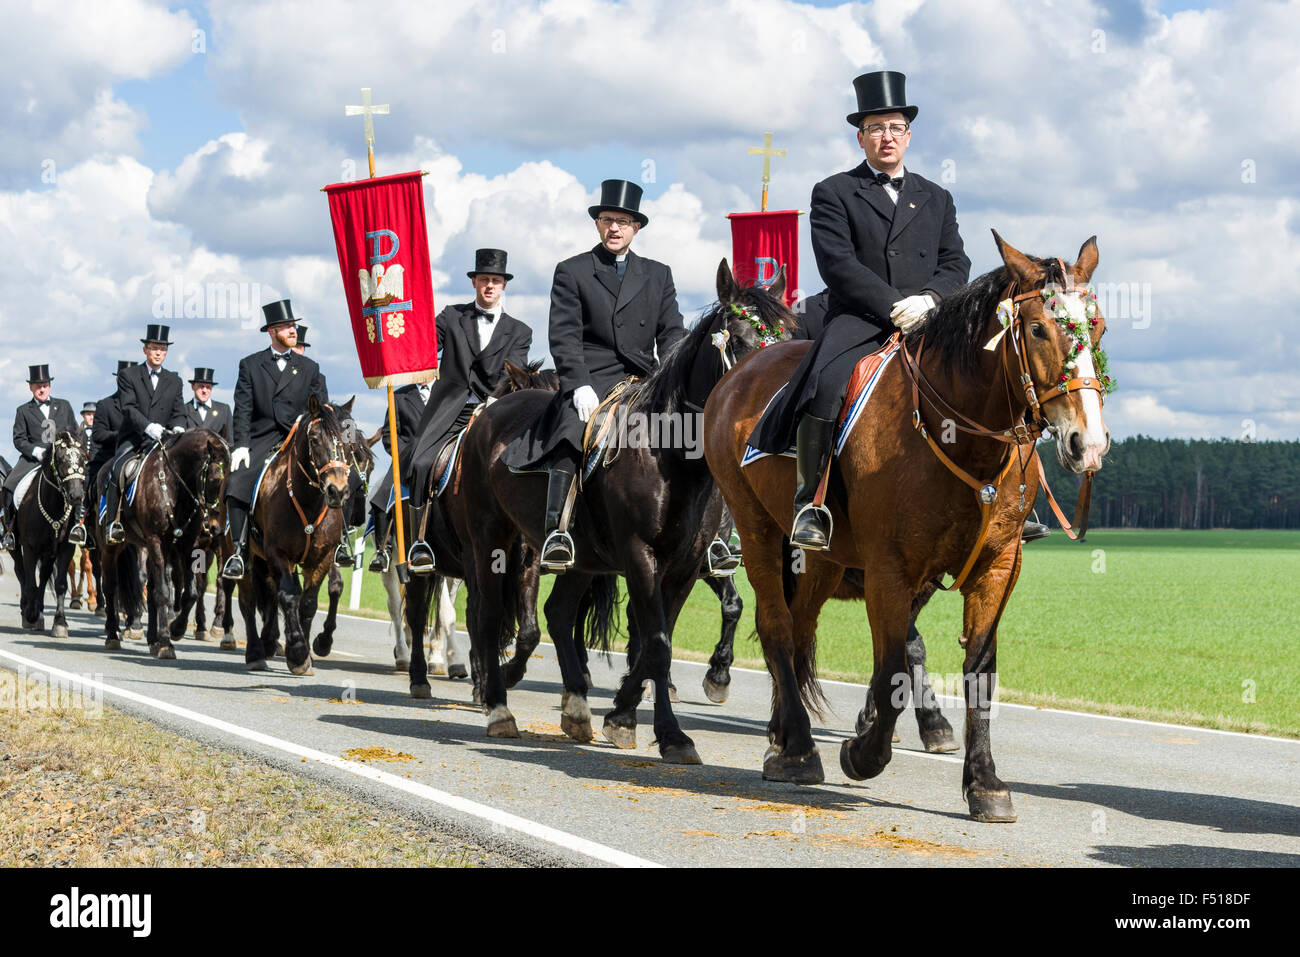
{"points": [[379, 517], [6, 521], [343, 554], [237, 513], [115, 533], [77, 534], [813, 444], [1034, 530], [557, 548]]}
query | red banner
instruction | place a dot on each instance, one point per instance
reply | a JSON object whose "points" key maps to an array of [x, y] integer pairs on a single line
{"points": [[383, 247], [761, 243]]}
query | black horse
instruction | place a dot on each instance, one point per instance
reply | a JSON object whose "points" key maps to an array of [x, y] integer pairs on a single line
{"points": [[648, 514], [44, 516], [179, 488]]}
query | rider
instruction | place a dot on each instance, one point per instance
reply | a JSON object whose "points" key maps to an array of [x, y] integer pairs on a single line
{"points": [[610, 309], [87, 425], [272, 391], [36, 423], [205, 412], [149, 398], [887, 244], [475, 340]]}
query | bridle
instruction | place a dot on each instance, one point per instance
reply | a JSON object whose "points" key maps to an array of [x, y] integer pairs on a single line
{"points": [[206, 509], [335, 463], [1019, 434], [77, 471]]}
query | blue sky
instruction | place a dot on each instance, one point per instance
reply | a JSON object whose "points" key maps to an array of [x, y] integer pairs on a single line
{"points": [[1173, 137]]}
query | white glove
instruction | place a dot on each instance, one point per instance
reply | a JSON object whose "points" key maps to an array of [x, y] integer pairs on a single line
{"points": [[39, 452], [154, 431], [239, 459], [585, 401], [177, 429], [909, 313]]}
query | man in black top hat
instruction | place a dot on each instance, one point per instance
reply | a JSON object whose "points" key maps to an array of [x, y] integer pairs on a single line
{"points": [[87, 425], [36, 424], [204, 412], [151, 400], [887, 244], [271, 392], [475, 339], [610, 311]]}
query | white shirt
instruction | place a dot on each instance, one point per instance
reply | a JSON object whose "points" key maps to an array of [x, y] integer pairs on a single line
{"points": [[278, 356], [45, 410], [203, 409], [889, 187], [486, 325], [153, 375]]}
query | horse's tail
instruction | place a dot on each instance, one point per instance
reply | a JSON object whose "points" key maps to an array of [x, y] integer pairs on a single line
{"points": [[805, 658], [512, 598], [130, 592], [601, 621]]}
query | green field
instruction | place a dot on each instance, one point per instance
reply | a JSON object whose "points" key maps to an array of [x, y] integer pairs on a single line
{"points": [[1187, 627]]}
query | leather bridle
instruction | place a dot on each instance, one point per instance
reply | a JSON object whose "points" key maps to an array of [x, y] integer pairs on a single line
{"points": [[336, 463]]}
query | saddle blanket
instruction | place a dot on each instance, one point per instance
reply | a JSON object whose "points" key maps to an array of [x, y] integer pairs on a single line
{"points": [[863, 382], [130, 489]]}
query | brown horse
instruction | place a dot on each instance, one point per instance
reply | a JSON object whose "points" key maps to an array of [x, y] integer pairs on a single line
{"points": [[297, 522], [906, 511]]}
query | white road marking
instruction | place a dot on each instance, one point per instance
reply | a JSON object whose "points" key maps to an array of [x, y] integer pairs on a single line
{"points": [[599, 852]]}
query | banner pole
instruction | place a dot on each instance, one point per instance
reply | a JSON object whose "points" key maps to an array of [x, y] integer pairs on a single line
{"points": [[403, 572]]}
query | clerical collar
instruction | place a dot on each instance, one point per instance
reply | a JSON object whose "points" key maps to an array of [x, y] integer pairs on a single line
{"points": [[608, 258]]}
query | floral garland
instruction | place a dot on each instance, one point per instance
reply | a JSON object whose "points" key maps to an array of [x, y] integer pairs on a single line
{"points": [[1080, 337], [767, 334]]}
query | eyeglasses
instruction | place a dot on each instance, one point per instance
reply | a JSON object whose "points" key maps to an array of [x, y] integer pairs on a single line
{"points": [[608, 221], [877, 130]]}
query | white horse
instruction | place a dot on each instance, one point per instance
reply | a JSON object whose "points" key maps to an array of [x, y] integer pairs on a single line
{"points": [[448, 649]]}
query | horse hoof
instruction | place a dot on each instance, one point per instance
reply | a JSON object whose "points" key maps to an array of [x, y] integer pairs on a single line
{"points": [[259, 665], [303, 670], [457, 671], [938, 740], [424, 692], [166, 653], [679, 754], [153, 649], [216, 631], [895, 738], [100, 612], [133, 634], [321, 648], [59, 631], [402, 664], [279, 649], [715, 692], [228, 643], [620, 737], [501, 723], [201, 635], [112, 644], [577, 729], [39, 624], [672, 694], [75, 604], [854, 772], [793, 768], [991, 807]]}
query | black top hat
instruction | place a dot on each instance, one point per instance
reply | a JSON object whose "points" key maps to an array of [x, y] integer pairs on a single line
{"points": [[620, 196], [276, 313], [202, 376], [490, 261], [302, 337], [883, 92], [38, 374], [123, 364], [157, 333], [88, 407]]}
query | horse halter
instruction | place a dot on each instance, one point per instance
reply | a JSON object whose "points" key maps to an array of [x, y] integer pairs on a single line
{"points": [[206, 509], [77, 471]]}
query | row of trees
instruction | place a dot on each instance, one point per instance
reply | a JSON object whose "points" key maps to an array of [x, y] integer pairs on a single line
{"points": [[1175, 483]]}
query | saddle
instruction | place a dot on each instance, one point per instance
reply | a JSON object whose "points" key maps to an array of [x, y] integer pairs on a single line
{"points": [[598, 435]]}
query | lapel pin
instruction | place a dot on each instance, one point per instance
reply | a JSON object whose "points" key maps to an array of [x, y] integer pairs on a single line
{"points": [[911, 205]]}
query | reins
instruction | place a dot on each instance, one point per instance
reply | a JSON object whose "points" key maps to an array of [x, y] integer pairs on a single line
{"points": [[308, 527], [58, 523]]}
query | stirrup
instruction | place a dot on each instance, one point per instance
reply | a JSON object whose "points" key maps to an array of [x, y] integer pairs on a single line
{"points": [[8, 542], [77, 534], [419, 558], [342, 556], [723, 562], [1033, 531], [813, 546], [557, 551], [380, 561], [234, 568], [116, 534]]}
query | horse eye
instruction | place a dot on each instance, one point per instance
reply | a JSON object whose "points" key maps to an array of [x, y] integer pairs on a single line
{"points": [[1038, 331]]}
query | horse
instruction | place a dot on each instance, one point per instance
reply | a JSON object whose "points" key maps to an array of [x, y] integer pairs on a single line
{"points": [[179, 484], [648, 513], [901, 505], [81, 579], [297, 522], [44, 516]]}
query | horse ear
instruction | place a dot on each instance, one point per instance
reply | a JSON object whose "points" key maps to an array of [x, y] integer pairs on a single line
{"points": [[777, 287], [1020, 265], [1087, 261], [313, 405], [346, 407], [728, 289]]}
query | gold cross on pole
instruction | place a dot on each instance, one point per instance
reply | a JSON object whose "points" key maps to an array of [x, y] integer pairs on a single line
{"points": [[366, 110], [767, 153]]}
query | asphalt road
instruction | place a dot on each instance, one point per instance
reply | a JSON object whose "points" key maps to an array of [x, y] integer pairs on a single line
{"points": [[1089, 790]]}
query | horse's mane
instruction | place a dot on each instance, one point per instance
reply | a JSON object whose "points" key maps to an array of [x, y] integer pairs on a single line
{"points": [[665, 388], [538, 378], [956, 326]]}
